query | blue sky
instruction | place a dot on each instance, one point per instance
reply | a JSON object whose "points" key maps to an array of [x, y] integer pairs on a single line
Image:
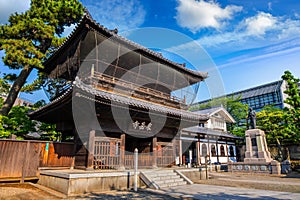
{"points": [[251, 42]]}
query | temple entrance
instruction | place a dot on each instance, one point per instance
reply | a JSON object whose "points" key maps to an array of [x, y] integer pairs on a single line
{"points": [[189, 156]]}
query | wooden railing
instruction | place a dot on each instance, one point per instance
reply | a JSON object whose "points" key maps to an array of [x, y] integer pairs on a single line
{"points": [[108, 155], [97, 76], [24, 158], [144, 161]]}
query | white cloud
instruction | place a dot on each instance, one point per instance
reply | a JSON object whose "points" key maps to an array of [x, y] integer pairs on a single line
{"points": [[119, 14], [12, 6], [259, 24], [261, 29], [196, 15]]}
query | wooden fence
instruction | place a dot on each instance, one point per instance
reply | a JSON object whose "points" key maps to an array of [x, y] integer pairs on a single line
{"points": [[21, 159]]}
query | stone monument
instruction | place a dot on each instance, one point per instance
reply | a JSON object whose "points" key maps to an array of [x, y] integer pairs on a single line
{"points": [[257, 156], [256, 147]]}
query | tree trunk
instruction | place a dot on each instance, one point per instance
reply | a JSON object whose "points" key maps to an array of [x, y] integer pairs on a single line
{"points": [[14, 91]]}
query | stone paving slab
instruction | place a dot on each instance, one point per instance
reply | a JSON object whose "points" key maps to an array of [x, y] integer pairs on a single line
{"points": [[262, 181], [201, 191]]}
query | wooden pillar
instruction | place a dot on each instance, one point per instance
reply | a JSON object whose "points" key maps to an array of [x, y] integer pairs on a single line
{"points": [[74, 149], [227, 151], [154, 151], [208, 148], [198, 152], [91, 147], [122, 151], [180, 152], [217, 150]]}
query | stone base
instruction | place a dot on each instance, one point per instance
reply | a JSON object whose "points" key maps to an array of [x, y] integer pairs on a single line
{"points": [[73, 182], [276, 167], [256, 160], [251, 166]]}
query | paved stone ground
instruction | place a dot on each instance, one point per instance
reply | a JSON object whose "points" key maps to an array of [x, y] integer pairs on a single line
{"points": [[243, 188], [201, 191]]}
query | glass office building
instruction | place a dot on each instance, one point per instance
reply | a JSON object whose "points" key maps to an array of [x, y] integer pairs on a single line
{"points": [[260, 96]]}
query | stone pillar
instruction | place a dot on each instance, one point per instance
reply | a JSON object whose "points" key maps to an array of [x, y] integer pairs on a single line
{"points": [[91, 147], [248, 153], [154, 150]]}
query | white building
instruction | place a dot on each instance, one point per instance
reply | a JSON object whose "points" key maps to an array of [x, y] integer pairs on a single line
{"points": [[209, 141]]}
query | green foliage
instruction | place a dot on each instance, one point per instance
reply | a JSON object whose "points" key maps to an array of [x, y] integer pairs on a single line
{"points": [[292, 113], [18, 123], [272, 121], [29, 37], [283, 126], [235, 108], [4, 86]]}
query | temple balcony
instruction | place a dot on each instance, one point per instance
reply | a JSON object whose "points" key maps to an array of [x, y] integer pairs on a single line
{"points": [[112, 84]]}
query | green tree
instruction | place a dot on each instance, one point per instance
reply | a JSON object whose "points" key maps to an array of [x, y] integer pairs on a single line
{"points": [[235, 108], [272, 121], [4, 86], [18, 123], [29, 37], [292, 112]]}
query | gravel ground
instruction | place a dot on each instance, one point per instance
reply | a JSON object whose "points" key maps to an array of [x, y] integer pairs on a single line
{"points": [[28, 191], [23, 192]]}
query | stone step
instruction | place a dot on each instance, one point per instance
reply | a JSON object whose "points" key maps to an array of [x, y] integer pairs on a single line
{"points": [[172, 184], [163, 178], [168, 181], [158, 178], [161, 175]]}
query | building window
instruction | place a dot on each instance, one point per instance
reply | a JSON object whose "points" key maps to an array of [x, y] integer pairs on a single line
{"points": [[222, 149], [213, 150]]}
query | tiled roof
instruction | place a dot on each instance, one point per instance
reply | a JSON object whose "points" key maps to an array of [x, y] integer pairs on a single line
{"points": [[136, 102], [126, 100], [208, 111], [251, 92], [208, 131], [259, 90], [87, 19]]}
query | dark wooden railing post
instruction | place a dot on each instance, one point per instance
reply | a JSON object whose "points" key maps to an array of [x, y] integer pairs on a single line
{"points": [[122, 151], [154, 151], [91, 147]]}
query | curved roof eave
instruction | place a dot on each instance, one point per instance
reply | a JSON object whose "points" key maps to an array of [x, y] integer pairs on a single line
{"points": [[87, 19]]}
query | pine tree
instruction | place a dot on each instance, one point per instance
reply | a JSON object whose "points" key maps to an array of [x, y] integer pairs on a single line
{"points": [[29, 37]]}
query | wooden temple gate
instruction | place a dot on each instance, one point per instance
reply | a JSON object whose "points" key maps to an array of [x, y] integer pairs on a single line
{"points": [[109, 154]]}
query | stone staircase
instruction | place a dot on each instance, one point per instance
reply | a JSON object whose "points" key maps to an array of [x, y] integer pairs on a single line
{"points": [[158, 179]]}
